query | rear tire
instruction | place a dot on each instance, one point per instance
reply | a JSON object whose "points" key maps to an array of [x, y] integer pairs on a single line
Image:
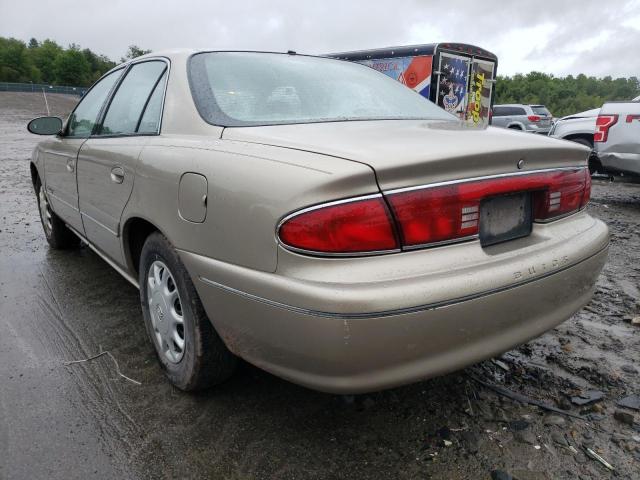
{"points": [[514, 127], [56, 232], [190, 351]]}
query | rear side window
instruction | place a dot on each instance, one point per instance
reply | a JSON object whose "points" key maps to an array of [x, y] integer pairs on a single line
{"points": [[518, 111], [84, 117], [129, 101], [499, 111], [150, 121], [540, 110]]}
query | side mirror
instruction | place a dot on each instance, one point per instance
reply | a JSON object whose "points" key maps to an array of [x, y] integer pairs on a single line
{"points": [[45, 125]]}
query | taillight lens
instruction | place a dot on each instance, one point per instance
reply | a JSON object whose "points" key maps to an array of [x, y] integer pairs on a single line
{"points": [[451, 212], [566, 192], [354, 226], [426, 215], [534, 118], [603, 124]]}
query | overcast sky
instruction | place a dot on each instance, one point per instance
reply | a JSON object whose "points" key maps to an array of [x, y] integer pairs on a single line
{"points": [[599, 37]]}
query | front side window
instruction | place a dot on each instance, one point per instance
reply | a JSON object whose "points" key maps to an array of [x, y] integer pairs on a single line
{"points": [[84, 117], [126, 107], [245, 88]]}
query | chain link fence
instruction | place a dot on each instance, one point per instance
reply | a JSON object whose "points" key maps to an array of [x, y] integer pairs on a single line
{"points": [[39, 87]]}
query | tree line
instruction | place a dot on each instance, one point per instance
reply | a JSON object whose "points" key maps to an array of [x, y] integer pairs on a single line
{"points": [[48, 62], [564, 95]]}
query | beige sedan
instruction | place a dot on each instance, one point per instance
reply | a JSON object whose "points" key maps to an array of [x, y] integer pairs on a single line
{"points": [[315, 218]]}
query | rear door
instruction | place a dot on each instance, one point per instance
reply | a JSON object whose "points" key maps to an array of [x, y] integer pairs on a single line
{"points": [[481, 82], [500, 116], [107, 161], [453, 74], [61, 152]]}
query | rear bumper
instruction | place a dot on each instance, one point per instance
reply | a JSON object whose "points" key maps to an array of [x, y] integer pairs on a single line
{"points": [[541, 130], [358, 337], [620, 162]]}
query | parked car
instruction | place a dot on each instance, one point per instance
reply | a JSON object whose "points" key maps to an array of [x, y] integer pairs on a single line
{"points": [[316, 218], [527, 118], [617, 137], [578, 127]]}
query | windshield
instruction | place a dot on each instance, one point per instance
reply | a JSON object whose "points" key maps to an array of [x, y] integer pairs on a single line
{"points": [[245, 88], [540, 110]]}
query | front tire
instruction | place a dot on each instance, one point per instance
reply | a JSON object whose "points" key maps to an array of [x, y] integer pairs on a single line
{"points": [[56, 232], [189, 349]]}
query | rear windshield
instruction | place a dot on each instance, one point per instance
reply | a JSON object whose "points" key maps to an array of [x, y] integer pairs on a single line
{"points": [[246, 88], [540, 110]]}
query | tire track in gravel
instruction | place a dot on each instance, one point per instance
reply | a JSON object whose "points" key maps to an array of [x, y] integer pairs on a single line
{"points": [[97, 398]]}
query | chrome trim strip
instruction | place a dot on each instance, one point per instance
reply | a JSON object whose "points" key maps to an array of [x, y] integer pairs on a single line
{"points": [[337, 254], [51, 194], [100, 224], [559, 217], [485, 177], [399, 311], [328, 204], [410, 189], [329, 254], [442, 243], [118, 269]]}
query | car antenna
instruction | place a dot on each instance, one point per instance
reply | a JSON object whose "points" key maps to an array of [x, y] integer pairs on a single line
{"points": [[291, 52]]}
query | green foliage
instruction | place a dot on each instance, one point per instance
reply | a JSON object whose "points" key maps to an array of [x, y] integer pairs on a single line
{"points": [[16, 64], [46, 61], [44, 57], [72, 68], [133, 52], [564, 96]]}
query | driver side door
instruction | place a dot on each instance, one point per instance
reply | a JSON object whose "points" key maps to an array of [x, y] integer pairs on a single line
{"points": [[60, 153]]}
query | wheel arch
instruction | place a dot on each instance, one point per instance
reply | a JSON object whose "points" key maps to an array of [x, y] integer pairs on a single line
{"points": [[35, 174], [516, 126], [583, 135], [135, 231]]}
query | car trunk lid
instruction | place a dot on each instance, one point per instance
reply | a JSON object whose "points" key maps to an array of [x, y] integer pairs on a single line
{"points": [[406, 153]]}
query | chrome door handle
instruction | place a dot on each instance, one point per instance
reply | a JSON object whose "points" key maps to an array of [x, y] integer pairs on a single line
{"points": [[117, 175], [70, 166]]}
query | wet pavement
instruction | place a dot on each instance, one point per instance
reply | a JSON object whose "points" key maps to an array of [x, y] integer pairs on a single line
{"points": [[62, 421]]}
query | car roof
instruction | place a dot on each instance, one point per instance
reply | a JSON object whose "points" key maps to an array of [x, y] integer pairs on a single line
{"points": [[184, 53]]}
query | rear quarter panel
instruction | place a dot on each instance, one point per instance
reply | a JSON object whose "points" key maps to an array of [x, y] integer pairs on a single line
{"points": [[250, 188], [624, 136]]}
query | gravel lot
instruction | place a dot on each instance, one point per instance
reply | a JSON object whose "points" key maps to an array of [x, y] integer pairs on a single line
{"points": [[83, 421]]}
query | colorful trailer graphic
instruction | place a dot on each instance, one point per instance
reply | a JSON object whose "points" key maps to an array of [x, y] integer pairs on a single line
{"points": [[457, 77], [414, 72]]}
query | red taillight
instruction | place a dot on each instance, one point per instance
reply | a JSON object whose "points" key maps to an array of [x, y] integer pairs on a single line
{"points": [[354, 226], [567, 192], [451, 212], [534, 118], [427, 215], [603, 124]]}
